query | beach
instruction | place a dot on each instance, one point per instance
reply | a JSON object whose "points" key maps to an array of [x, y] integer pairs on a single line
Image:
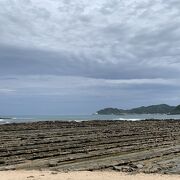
{"points": [[134, 147], [45, 175]]}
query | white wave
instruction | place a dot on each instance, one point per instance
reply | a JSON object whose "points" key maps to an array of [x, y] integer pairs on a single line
{"points": [[76, 120], [3, 121], [128, 119]]}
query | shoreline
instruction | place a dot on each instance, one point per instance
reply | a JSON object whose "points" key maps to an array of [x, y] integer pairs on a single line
{"points": [[79, 118]]}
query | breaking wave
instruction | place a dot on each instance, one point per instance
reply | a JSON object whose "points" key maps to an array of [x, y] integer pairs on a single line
{"points": [[128, 119], [4, 121]]}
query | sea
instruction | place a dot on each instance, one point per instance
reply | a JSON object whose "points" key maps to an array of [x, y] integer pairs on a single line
{"points": [[79, 118]]}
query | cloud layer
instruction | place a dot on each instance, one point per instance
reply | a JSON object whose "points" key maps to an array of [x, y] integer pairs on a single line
{"points": [[109, 52]]}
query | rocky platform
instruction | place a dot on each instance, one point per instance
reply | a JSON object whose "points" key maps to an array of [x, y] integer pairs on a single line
{"points": [[150, 146]]}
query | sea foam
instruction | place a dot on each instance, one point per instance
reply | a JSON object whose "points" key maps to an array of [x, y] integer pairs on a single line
{"points": [[128, 119]]}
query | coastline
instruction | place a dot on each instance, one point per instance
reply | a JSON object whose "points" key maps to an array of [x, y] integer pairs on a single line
{"points": [[125, 117], [149, 146]]}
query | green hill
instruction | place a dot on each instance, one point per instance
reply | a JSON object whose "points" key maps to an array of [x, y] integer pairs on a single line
{"points": [[153, 109], [176, 110], [109, 111]]}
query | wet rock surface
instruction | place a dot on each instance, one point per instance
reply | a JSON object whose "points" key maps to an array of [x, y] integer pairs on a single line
{"points": [[150, 146]]}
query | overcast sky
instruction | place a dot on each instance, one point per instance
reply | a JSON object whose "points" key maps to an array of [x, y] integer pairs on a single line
{"points": [[78, 56]]}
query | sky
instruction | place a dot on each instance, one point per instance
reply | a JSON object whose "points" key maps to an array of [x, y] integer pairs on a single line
{"points": [[78, 56]]}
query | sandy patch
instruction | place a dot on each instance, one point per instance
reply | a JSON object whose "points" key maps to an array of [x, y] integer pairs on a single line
{"points": [[45, 175]]}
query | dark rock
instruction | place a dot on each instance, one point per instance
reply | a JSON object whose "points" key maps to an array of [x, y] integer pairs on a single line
{"points": [[123, 168], [52, 163]]}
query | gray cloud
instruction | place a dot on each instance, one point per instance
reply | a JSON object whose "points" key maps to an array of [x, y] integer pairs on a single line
{"points": [[15, 61], [121, 46]]}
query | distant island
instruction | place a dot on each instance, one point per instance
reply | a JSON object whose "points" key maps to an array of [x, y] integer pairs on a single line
{"points": [[153, 109]]}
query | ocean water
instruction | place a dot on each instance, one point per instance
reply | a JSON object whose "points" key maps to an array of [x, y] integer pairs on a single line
{"points": [[132, 117]]}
